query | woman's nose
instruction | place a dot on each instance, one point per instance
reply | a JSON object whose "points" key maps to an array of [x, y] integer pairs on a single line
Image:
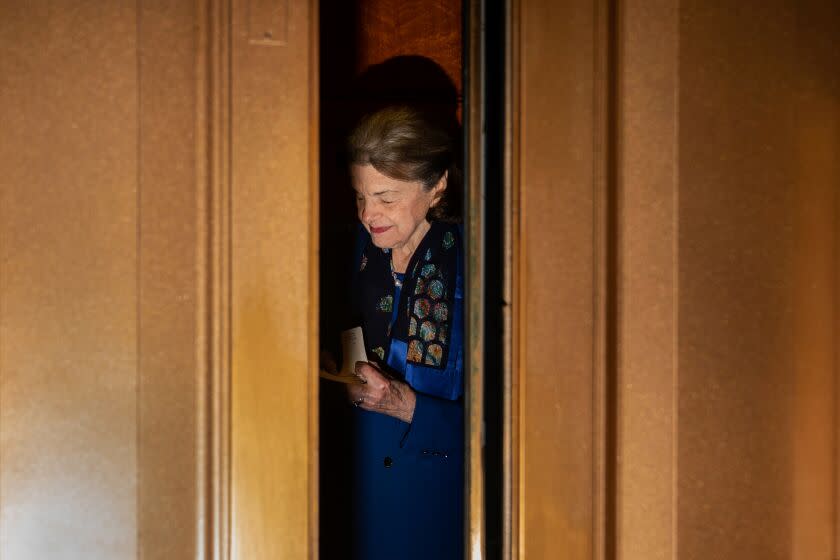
{"points": [[367, 211]]}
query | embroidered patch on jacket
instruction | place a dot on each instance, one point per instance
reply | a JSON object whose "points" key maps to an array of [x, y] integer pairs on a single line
{"points": [[421, 308], [386, 304], [448, 240], [441, 312], [434, 355], [428, 326], [428, 330], [435, 289], [428, 270], [415, 351]]}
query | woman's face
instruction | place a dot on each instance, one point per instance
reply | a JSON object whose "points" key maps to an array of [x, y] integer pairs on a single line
{"points": [[393, 211]]}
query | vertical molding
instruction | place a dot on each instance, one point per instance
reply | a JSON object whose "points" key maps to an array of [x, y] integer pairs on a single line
{"points": [[314, 276], [556, 244], [646, 278], [816, 106], [274, 307], [474, 425], [836, 326], [511, 322], [213, 164], [603, 278], [834, 91], [138, 285]]}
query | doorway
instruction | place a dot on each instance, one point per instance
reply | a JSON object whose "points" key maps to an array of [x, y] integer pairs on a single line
{"points": [[373, 53]]}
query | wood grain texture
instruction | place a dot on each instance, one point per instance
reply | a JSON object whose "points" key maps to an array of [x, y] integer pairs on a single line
{"points": [[725, 283], [816, 296], [102, 281], [554, 256], [388, 28], [274, 243], [170, 238], [646, 285], [68, 282], [747, 260]]}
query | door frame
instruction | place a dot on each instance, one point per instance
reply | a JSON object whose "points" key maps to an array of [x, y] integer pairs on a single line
{"points": [[221, 535]]}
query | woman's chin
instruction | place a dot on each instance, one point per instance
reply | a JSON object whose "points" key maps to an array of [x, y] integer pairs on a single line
{"points": [[382, 243], [383, 240]]}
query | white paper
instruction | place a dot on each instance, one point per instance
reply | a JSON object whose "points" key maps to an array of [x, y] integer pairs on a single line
{"points": [[352, 349]]}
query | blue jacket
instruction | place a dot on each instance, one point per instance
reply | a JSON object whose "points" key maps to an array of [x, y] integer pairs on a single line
{"points": [[408, 487]]}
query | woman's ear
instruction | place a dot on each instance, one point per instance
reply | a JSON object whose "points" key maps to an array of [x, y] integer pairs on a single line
{"points": [[439, 188]]}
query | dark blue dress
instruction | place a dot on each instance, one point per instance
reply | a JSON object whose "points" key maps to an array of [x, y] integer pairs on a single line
{"points": [[407, 494]]}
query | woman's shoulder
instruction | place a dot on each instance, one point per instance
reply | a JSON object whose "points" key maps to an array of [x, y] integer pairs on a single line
{"points": [[447, 235]]}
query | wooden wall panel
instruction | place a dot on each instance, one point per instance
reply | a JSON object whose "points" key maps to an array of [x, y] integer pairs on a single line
{"points": [[646, 283], [114, 282], [721, 264], [728, 453], [274, 289], [102, 226], [817, 233], [388, 28], [171, 239], [750, 264], [68, 298], [555, 250]]}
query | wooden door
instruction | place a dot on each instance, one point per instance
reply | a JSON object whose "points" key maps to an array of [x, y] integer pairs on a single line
{"points": [[157, 227], [273, 211], [675, 223], [101, 338]]}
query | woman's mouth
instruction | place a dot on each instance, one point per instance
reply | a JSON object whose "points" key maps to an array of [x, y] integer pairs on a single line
{"points": [[378, 230]]}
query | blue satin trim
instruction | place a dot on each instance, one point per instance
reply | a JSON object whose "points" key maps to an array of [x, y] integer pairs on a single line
{"points": [[447, 383]]}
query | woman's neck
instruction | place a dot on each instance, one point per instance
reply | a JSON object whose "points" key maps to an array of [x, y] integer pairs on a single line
{"points": [[400, 256]]}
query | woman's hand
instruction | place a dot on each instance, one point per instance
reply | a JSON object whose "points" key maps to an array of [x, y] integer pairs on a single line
{"points": [[379, 393]]}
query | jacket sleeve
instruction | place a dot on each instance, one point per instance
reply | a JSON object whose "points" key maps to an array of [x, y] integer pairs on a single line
{"points": [[437, 426]]}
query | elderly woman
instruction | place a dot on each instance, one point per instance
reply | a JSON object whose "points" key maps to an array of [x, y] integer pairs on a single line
{"points": [[408, 297]]}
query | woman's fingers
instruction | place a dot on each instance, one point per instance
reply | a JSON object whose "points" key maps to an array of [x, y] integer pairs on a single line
{"points": [[379, 393], [371, 375], [355, 393], [374, 393]]}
